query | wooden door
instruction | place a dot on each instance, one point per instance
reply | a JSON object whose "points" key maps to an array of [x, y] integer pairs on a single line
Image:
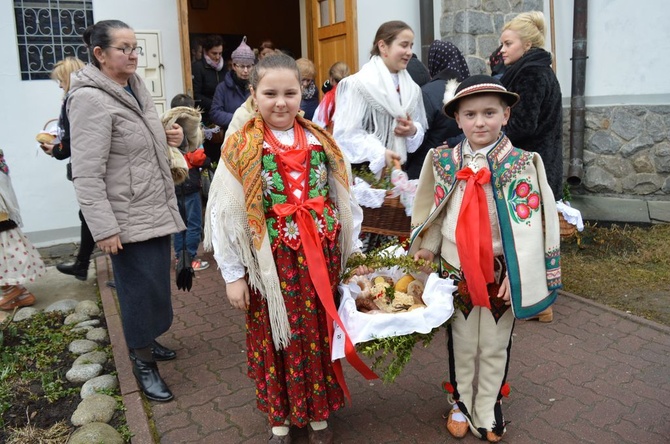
{"points": [[332, 31]]}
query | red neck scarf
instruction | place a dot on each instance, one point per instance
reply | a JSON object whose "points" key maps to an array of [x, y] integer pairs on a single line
{"points": [[473, 235]]}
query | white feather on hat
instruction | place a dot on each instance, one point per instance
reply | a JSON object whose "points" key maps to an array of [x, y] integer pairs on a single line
{"points": [[450, 90]]}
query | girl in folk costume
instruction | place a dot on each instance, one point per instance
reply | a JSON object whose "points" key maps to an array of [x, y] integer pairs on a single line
{"points": [[480, 209], [380, 114], [282, 223], [20, 262], [323, 116]]}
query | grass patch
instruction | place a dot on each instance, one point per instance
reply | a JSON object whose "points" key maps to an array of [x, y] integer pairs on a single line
{"points": [[623, 266]]}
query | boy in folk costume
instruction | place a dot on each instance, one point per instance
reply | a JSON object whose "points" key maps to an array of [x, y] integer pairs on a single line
{"points": [[282, 222], [480, 209]]}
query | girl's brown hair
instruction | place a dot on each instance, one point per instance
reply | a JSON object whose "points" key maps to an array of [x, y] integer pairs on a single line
{"points": [[388, 32], [273, 61]]}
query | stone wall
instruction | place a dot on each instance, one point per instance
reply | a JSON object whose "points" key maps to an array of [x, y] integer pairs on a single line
{"points": [[626, 148]]}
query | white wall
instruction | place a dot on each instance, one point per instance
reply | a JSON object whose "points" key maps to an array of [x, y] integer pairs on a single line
{"points": [[628, 50], [48, 205], [372, 13]]}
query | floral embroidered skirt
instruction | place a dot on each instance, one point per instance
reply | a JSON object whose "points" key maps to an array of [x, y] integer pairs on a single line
{"points": [[297, 383], [20, 262]]}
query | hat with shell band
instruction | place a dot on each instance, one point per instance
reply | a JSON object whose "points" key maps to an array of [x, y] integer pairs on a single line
{"points": [[477, 84], [243, 54]]}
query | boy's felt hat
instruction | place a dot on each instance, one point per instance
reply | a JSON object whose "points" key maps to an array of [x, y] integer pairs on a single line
{"points": [[477, 84]]}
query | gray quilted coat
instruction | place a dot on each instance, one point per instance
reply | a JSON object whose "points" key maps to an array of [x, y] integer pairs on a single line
{"points": [[119, 159]]}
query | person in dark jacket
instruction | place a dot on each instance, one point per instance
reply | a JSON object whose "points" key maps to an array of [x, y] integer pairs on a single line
{"points": [[445, 62], [537, 121], [207, 73], [310, 94], [418, 71], [234, 90], [189, 198], [61, 151]]}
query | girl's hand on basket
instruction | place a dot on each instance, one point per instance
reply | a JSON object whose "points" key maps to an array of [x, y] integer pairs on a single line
{"points": [[427, 256], [504, 292], [405, 127], [238, 294], [391, 157]]}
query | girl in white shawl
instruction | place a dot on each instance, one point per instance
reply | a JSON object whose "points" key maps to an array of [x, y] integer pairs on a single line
{"points": [[380, 114]]}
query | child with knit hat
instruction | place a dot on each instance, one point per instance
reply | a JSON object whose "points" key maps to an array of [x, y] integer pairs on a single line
{"points": [[234, 90], [479, 213]]}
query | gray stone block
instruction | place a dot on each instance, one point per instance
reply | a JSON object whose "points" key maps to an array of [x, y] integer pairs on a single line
{"points": [[626, 124], [662, 157], [656, 128], [636, 145], [597, 180], [660, 211], [642, 184], [611, 209], [603, 142], [473, 22]]}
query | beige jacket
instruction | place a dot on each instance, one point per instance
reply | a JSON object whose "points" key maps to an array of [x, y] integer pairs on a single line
{"points": [[119, 159]]}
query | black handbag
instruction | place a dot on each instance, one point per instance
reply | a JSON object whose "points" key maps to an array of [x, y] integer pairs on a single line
{"points": [[68, 171]]}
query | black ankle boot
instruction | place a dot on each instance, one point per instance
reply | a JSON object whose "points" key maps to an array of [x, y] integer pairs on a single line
{"points": [[77, 269], [150, 380], [162, 353]]}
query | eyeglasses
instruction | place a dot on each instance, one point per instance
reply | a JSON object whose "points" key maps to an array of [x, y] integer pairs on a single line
{"points": [[243, 67], [128, 50]]}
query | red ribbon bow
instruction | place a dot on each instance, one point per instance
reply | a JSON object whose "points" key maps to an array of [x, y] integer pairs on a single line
{"points": [[473, 235], [319, 273]]}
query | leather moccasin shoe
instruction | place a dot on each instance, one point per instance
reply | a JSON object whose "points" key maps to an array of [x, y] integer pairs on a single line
{"points": [[324, 436], [162, 353], [492, 437], [10, 293], [150, 380], [458, 429], [25, 300]]}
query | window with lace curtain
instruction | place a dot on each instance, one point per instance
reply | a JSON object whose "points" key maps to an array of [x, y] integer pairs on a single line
{"points": [[48, 31]]}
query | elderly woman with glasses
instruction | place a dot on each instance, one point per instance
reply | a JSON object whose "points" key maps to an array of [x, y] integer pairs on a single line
{"points": [[121, 175], [234, 90]]}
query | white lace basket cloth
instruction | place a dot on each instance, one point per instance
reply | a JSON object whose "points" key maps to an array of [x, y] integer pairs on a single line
{"points": [[362, 327]]}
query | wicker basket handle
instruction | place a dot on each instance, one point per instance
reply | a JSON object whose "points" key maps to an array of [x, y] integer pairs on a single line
{"points": [[47, 123]]}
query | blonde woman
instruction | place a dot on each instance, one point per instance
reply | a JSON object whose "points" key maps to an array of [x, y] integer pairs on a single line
{"points": [[537, 121], [61, 74]]}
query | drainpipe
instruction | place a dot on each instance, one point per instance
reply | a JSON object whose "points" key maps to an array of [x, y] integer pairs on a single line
{"points": [[577, 101], [426, 22]]}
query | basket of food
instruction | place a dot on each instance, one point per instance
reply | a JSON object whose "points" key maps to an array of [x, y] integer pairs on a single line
{"points": [[386, 312]]}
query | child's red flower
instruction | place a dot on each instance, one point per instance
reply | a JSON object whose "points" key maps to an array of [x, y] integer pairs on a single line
{"points": [[522, 189], [505, 390], [534, 201], [447, 387]]}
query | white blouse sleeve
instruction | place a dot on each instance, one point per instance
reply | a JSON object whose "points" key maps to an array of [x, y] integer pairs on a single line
{"points": [[230, 264], [353, 140], [414, 142]]}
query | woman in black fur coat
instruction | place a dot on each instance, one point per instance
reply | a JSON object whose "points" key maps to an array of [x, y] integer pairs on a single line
{"points": [[536, 124]]}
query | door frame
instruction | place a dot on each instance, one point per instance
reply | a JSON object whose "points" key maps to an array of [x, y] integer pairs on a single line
{"points": [[185, 45]]}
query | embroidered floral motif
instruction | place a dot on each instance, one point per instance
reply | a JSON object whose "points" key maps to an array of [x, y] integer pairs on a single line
{"points": [[439, 194], [291, 230], [522, 200]]}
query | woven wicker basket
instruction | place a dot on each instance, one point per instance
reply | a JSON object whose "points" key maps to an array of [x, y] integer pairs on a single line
{"points": [[567, 229], [390, 219]]}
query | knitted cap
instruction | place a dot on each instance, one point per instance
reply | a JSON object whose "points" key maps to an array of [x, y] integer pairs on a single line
{"points": [[243, 54], [476, 84]]}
